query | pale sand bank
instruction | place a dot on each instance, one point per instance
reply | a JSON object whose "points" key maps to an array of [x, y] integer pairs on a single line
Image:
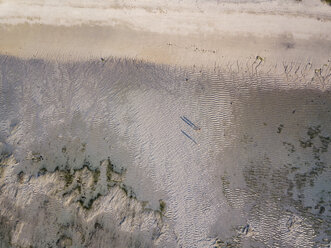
{"points": [[180, 33], [86, 42]]}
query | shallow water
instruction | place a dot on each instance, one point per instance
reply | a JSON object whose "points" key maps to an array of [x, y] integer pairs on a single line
{"points": [[254, 174]]}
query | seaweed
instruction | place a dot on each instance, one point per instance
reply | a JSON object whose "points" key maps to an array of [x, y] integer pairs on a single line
{"points": [[314, 131], [289, 146], [128, 191], [96, 175], [64, 149], [64, 241], [162, 205], [68, 177], [326, 2], [36, 157], [325, 143], [280, 128], [20, 177], [89, 204], [305, 144], [42, 171], [110, 170]]}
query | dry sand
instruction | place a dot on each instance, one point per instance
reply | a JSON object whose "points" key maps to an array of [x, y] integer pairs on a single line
{"points": [[180, 33]]}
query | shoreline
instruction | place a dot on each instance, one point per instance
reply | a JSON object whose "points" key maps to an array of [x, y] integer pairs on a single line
{"points": [[176, 33], [284, 75], [91, 42]]}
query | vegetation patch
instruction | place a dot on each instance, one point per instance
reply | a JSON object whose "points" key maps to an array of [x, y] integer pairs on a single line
{"points": [[20, 177], [84, 185], [305, 144], [64, 149], [64, 241], [306, 173], [325, 143], [162, 205], [87, 204], [128, 191], [280, 128], [290, 147], [42, 171], [313, 131], [96, 175], [36, 157], [327, 2], [68, 177]]}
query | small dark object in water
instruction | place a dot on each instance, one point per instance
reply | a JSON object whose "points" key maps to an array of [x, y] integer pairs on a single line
{"points": [[188, 122], [322, 210], [289, 223], [293, 111], [245, 229], [188, 136]]}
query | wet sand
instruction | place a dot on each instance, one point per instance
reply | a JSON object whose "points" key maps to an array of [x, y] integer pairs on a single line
{"points": [[83, 83], [260, 156]]}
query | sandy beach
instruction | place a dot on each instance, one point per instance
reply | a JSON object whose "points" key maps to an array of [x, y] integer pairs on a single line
{"points": [[181, 33], [165, 124]]}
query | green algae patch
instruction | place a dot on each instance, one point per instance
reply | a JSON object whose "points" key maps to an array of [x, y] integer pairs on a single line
{"points": [[280, 128], [2, 170], [109, 171], [96, 175], [128, 191], [64, 149], [313, 131], [326, 1], [162, 205], [87, 204], [20, 177], [325, 143], [290, 147], [86, 184], [68, 177], [64, 241]]}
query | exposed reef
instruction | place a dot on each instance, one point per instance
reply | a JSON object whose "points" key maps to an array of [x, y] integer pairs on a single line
{"points": [[79, 206]]}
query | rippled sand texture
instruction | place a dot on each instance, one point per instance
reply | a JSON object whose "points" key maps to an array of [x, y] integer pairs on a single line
{"points": [[165, 123], [253, 170]]}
